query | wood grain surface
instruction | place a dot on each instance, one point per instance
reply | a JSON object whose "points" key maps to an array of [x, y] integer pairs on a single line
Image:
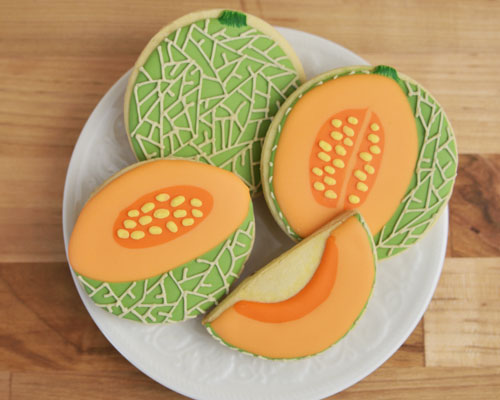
{"points": [[58, 58]]}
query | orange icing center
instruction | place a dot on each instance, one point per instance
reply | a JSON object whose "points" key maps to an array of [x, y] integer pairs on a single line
{"points": [[369, 98], [345, 158], [161, 216], [311, 296]]}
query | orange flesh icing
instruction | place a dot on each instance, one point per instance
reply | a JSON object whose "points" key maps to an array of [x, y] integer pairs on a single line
{"points": [[353, 178], [312, 295], [384, 99], [322, 326], [188, 192], [94, 250]]}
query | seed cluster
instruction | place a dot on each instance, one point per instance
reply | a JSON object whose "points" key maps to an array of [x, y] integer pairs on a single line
{"points": [[163, 214], [332, 152]]}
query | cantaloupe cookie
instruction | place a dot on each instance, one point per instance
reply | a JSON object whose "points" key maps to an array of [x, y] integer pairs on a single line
{"points": [[162, 240], [304, 301], [368, 138], [206, 87]]}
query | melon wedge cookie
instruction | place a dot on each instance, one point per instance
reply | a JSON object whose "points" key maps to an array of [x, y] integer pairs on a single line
{"points": [[163, 240], [304, 301], [206, 87], [360, 137]]}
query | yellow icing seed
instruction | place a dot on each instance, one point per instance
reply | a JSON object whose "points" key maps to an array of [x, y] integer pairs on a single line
{"points": [[330, 194], [155, 230], [172, 227], [180, 213], [353, 199], [161, 213], [373, 138], [129, 224], [348, 142], [147, 207], [324, 157], [340, 150], [365, 156], [375, 149], [360, 175], [338, 163], [188, 221], [337, 123], [196, 202], [133, 213], [317, 171], [361, 187], [325, 146], [146, 219], [336, 135], [197, 213], [352, 120], [348, 131], [137, 235], [329, 181], [374, 127], [122, 234], [162, 197], [330, 170], [177, 201], [369, 169], [319, 186]]}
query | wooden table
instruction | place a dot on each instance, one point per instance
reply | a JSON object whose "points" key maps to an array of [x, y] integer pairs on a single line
{"points": [[58, 58]]}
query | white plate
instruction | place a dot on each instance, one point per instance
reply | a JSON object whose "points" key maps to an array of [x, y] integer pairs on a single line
{"points": [[183, 356]]}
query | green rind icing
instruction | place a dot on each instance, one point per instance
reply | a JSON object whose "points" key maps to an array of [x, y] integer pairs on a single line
{"points": [[214, 334], [182, 293], [209, 92], [233, 18], [386, 71], [432, 182]]}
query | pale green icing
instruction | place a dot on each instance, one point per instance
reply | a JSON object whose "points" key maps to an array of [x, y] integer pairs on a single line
{"points": [[182, 293], [432, 182], [209, 92]]}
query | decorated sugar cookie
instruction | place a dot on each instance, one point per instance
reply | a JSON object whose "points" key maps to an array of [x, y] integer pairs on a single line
{"points": [[163, 240], [360, 137], [304, 301], [206, 87]]}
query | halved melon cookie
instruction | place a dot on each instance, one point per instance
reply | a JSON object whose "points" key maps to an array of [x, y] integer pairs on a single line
{"points": [[206, 87], [366, 138], [304, 301], [163, 240]]}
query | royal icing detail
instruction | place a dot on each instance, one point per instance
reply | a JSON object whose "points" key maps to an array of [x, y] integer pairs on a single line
{"points": [[133, 213], [203, 285], [167, 267], [158, 220], [197, 213], [330, 194], [180, 213], [427, 191], [355, 124], [161, 198], [208, 91]]}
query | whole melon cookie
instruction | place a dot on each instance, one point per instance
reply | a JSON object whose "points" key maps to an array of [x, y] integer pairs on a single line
{"points": [[163, 240], [366, 138], [304, 301], [206, 87]]}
